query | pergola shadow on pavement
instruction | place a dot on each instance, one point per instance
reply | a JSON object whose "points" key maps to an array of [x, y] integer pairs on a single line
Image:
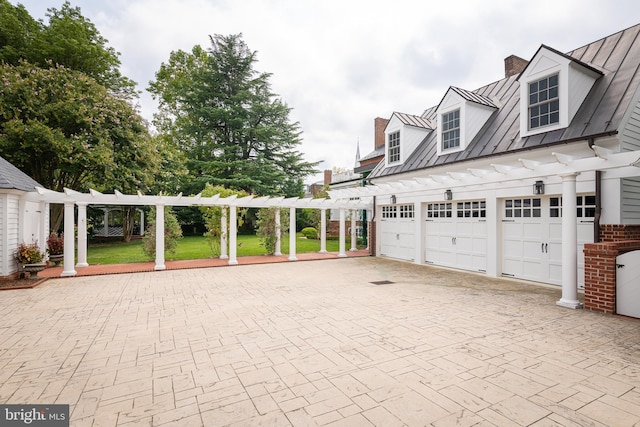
{"points": [[352, 342]]}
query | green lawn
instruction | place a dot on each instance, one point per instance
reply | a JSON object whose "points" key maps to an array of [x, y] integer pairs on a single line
{"points": [[194, 247]]}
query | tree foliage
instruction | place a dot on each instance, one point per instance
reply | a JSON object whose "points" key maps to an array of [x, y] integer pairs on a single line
{"points": [[172, 233], [213, 216], [65, 130], [69, 39], [222, 113], [267, 230]]}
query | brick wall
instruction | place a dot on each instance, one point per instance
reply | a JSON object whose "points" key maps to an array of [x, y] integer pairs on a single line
{"points": [[617, 232], [600, 273]]}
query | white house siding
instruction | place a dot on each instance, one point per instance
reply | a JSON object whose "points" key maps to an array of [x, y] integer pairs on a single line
{"points": [[410, 137], [631, 132], [10, 232], [631, 200]]}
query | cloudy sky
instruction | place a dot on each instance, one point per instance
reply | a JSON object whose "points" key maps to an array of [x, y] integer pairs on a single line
{"points": [[341, 63]]}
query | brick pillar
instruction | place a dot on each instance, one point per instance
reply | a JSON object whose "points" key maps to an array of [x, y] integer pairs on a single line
{"points": [[600, 273]]}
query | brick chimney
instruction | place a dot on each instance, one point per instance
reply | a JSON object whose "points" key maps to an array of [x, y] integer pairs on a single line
{"points": [[327, 176], [379, 125], [514, 65]]}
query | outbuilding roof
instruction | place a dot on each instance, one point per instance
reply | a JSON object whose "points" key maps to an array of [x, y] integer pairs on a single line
{"points": [[12, 178], [616, 56]]}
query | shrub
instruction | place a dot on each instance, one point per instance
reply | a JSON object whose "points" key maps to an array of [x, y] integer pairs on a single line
{"points": [[267, 227], [172, 233], [29, 254], [310, 233], [55, 244]]}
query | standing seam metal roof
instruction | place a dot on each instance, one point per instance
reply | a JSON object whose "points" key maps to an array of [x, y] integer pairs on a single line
{"points": [[616, 56]]}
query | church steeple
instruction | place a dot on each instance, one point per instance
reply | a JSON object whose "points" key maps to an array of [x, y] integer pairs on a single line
{"points": [[357, 164]]}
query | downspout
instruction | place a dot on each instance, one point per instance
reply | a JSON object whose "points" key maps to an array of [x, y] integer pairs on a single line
{"points": [[374, 241], [596, 218]]}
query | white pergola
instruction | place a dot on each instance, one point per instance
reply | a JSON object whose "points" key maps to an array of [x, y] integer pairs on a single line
{"points": [[70, 199]]}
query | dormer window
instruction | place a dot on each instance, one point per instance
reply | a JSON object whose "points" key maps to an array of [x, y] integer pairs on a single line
{"points": [[451, 130], [544, 104], [393, 147]]}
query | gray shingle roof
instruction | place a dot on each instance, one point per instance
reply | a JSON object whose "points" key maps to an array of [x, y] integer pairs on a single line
{"points": [[12, 178], [616, 56]]}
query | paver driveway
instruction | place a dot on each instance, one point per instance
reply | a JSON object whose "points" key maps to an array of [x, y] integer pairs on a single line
{"points": [[316, 343]]}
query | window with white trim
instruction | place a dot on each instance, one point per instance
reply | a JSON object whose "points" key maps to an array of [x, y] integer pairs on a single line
{"points": [[451, 130], [586, 206], [523, 208], [389, 212], [544, 103], [393, 147], [439, 210], [472, 209], [406, 211]]}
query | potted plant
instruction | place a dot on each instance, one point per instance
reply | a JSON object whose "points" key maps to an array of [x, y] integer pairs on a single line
{"points": [[55, 248], [30, 258]]}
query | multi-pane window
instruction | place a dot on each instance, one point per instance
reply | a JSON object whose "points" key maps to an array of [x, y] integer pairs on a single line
{"points": [[544, 104], [389, 211], [473, 209], [406, 211], [555, 207], [393, 147], [451, 130], [439, 210], [522, 208], [586, 206]]}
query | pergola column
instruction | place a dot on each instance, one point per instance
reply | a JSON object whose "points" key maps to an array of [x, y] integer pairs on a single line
{"points": [[160, 238], [233, 238], [323, 230], [223, 233], [82, 235], [354, 245], [105, 220], [69, 244], [292, 234], [278, 231], [141, 222], [342, 233], [569, 244]]}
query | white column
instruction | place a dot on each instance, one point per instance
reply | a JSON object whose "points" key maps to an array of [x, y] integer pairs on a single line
{"points": [[223, 233], [160, 238], [69, 244], [419, 225], [569, 244], [105, 229], [292, 234], [354, 235], [323, 230], [233, 238], [141, 222], [44, 223], [82, 235], [342, 233], [278, 231]]}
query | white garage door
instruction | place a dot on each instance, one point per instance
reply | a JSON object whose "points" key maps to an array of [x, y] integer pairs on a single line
{"points": [[532, 237], [397, 231], [456, 235]]}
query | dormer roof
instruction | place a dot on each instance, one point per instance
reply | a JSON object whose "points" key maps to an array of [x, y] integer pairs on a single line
{"points": [[411, 120]]}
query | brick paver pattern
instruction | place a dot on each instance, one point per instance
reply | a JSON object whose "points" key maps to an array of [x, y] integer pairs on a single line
{"points": [[316, 343]]}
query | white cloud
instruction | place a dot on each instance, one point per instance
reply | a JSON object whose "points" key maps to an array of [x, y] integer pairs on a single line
{"points": [[340, 64]]}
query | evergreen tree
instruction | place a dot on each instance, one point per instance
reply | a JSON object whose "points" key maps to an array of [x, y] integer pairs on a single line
{"points": [[234, 130]]}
